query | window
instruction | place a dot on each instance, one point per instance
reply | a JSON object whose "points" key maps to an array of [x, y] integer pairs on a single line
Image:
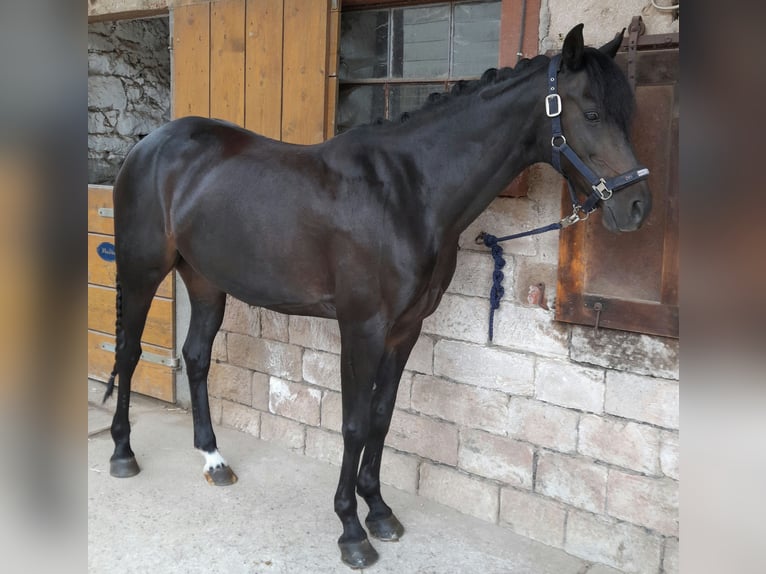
{"points": [[391, 59]]}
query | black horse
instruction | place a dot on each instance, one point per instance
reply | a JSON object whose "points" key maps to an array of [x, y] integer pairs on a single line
{"points": [[362, 228]]}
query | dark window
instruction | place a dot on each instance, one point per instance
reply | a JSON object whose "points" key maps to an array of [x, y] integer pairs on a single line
{"points": [[391, 59]]}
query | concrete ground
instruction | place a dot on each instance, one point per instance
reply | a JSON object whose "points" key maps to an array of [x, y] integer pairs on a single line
{"points": [[278, 519]]}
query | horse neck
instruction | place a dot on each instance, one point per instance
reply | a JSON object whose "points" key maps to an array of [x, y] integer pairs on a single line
{"points": [[475, 152]]}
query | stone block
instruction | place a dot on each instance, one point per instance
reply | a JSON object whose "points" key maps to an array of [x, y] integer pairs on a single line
{"points": [[642, 500], [106, 93], [628, 548], [543, 424], [270, 357], [324, 445], [456, 490], [641, 398], [669, 454], [418, 434], [531, 272], [498, 458], [295, 401], [219, 347], [459, 317], [230, 382], [530, 329], [619, 442], [505, 216], [284, 432], [575, 481], [400, 470], [216, 408], [473, 274], [404, 392], [533, 516], [321, 369], [315, 333], [274, 326], [463, 404], [240, 417], [240, 317], [422, 356], [670, 557], [568, 385], [487, 367], [624, 351], [332, 411], [260, 390]]}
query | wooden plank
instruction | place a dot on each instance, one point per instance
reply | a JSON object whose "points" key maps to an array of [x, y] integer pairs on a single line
{"points": [[227, 60], [305, 70], [100, 196], [191, 60], [159, 323], [263, 63], [332, 105], [151, 379], [101, 272]]}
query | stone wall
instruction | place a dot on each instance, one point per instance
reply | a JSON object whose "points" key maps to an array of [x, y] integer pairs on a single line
{"points": [[128, 89]]}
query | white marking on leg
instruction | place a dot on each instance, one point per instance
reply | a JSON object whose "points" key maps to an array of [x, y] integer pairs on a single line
{"points": [[213, 460]]}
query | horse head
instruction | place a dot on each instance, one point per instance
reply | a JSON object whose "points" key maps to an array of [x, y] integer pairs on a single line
{"points": [[594, 111]]}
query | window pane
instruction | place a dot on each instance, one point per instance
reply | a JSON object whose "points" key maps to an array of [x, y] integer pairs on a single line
{"points": [[359, 105], [476, 43], [421, 42], [363, 45], [409, 97]]}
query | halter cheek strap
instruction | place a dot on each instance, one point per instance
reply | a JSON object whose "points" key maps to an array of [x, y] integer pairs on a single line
{"points": [[602, 189]]}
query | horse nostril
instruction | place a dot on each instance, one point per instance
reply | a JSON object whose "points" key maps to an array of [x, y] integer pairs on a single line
{"points": [[637, 210]]}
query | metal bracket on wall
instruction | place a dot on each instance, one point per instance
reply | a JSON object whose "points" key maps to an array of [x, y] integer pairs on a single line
{"points": [[171, 362], [636, 29], [106, 212]]}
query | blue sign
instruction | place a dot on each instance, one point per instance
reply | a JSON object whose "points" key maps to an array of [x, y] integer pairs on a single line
{"points": [[105, 251]]}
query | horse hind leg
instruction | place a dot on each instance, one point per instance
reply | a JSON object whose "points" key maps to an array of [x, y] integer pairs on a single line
{"points": [[134, 298], [207, 309]]}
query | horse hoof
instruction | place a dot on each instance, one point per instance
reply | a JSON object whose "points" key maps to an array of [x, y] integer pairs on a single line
{"points": [[387, 529], [123, 467], [358, 554], [221, 476]]}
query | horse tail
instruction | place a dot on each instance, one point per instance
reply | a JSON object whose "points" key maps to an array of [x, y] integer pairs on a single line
{"points": [[120, 341]]}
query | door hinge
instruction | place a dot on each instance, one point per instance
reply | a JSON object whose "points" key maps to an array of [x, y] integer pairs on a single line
{"points": [[171, 362]]}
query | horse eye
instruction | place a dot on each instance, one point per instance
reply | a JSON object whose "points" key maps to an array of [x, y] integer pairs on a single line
{"points": [[592, 116]]}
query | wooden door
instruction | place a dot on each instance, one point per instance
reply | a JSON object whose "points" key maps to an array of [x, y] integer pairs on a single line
{"points": [[154, 375]]}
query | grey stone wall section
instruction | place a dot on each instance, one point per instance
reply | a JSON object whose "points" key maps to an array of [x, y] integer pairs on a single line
{"points": [[128, 90]]}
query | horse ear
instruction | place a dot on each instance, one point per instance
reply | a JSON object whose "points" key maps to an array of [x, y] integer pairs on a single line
{"points": [[574, 46], [610, 48]]}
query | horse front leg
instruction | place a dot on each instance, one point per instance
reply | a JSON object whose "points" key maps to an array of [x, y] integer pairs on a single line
{"points": [[381, 521], [361, 351]]}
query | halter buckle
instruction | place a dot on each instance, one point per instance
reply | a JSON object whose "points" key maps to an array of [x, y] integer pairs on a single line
{"points": [[602, 190], [552, 105]]}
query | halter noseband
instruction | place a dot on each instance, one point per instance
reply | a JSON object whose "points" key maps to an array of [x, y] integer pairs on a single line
{"points": [[602, 188]]}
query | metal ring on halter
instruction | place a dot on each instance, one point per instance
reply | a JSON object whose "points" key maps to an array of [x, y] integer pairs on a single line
{"points": [[563, 141], [579, 210]]}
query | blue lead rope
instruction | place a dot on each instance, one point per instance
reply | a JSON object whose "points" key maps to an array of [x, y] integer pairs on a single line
{"points": [[497, 291]]}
